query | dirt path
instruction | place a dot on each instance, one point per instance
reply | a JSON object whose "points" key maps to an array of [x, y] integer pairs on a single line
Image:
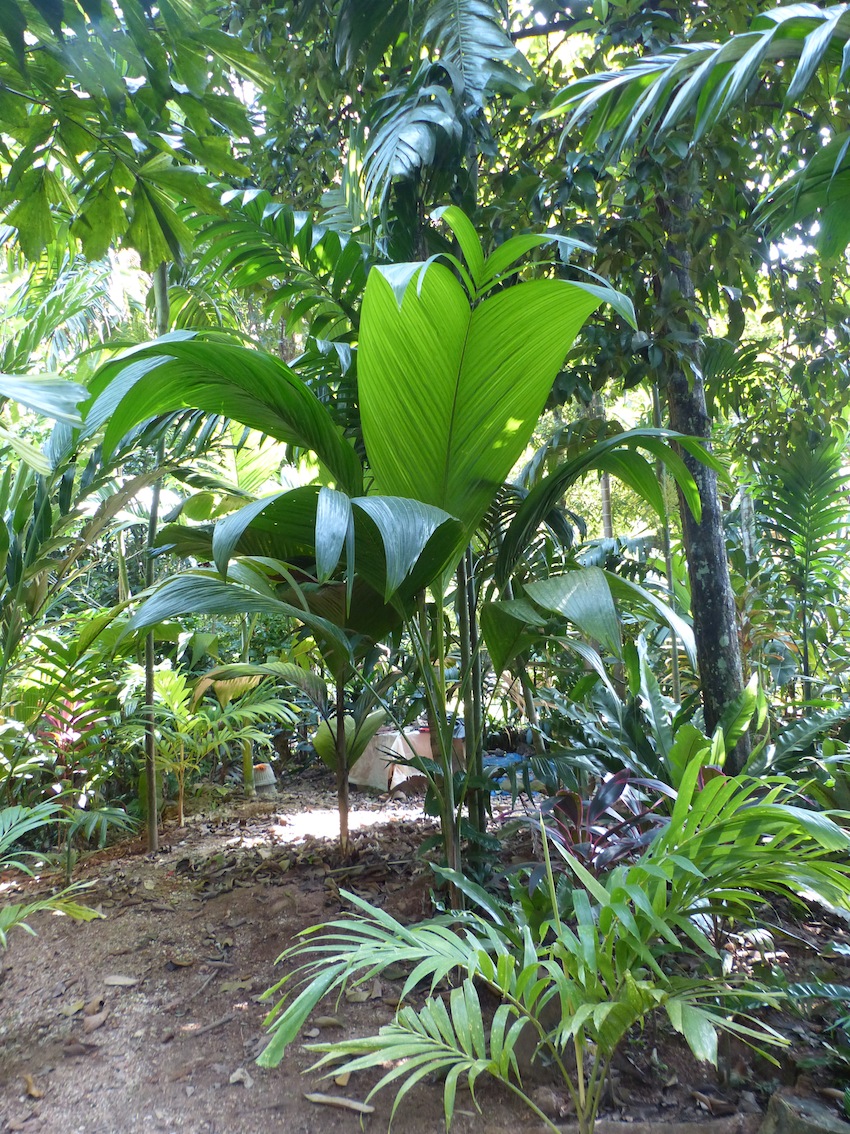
{"points": [[150, 1020]]}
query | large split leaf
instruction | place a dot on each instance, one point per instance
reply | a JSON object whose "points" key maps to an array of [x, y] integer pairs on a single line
{"points": [[450, 394]]}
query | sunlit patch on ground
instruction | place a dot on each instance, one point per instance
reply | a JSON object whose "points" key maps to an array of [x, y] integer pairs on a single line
{"points": [[322, 823]]}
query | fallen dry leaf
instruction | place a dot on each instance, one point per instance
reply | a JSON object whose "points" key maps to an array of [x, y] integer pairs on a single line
{"points": [[240, 1075], [237, 985], [185, 1069], [93, 1006], [328, 1022], [832, 1093], [73, 1047], [179, 962], [377, 991], [714, 1105], [118, 981], [311, 1033], [92, 1023], [343, 1079], [73, 1008], [341, 1103], [358, 995], [33, 1091]]}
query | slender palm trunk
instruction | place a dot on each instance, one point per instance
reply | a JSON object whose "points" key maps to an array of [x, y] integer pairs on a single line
{"points": [[160, 285], [342, 765], [246, 630]]}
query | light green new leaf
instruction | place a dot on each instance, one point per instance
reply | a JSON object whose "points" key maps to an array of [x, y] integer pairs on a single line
{"points": [[584, 598], [357, 737], [467, 238], [449, 394], [696, 1025], [37, 461], [738, 713]]}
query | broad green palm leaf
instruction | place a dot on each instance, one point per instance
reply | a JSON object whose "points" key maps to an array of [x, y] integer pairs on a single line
{"points": [[219, 377], [451, 388], [617, 455], [450, 392]]}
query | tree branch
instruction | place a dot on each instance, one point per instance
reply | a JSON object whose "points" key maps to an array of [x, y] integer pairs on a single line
{"points": [[543, 29]]}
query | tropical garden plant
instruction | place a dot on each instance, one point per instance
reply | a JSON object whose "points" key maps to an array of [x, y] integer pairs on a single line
{"points": [[190, 729], [17, 823], [574, 960], [427, 362], [438, 366]]}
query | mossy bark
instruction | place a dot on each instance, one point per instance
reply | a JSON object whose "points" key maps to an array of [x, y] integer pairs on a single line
{"points": [[712, 599]]}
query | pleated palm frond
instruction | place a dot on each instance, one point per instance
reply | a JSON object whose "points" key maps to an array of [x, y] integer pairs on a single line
{"points": [[471, 38], [301, 271], [467, 55], [61, 308], [595, 965], [804, 509], [407, 125], [707, 81]]}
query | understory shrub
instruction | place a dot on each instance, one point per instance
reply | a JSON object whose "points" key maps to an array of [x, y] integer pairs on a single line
{"points": [[573, 959]]}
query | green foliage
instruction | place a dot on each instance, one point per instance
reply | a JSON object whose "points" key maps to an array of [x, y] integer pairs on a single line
{"points": [[188, 730], [595, 958], [16, 823], [115, 118], [86, 824], [357, 736], [803, 507], [707, 80]]}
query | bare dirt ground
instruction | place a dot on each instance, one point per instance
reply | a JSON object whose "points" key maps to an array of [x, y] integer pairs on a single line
{"points": [[150, 1018]]}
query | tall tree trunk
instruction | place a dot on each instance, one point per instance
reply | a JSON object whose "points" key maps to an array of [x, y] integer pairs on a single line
{"points": [[160, 291], [712, 599], [246, 629], [342, 763]]}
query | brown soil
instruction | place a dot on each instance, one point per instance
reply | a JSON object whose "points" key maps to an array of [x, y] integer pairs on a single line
{"points": [[186, 946]]}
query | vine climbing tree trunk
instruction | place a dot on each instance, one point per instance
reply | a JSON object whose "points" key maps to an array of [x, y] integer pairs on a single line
{"points": [[712, 599]]}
